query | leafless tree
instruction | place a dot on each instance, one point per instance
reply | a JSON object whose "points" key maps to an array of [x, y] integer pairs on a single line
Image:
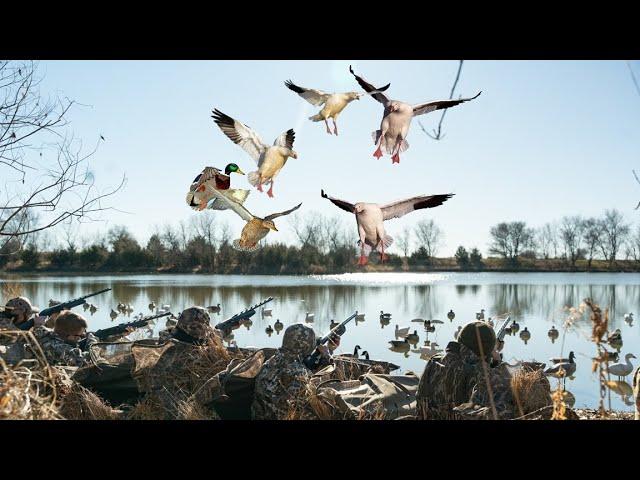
{"points": [[633, 245], [614, 233], [429, 236], [309, 230], [637, 180], [404, 241], [437, 133], [592, 237], [547, 240], [510, 239], [45, 170], [571, 229]]}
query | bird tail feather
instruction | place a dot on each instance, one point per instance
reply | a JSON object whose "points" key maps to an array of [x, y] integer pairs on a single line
{"points": [[236, 244], [376, 136], [387, 241], [254, 178], [404, 146]]}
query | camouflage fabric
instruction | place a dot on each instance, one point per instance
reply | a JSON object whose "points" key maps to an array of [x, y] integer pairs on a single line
{"points": [[447, 381], [59, 352], [194, 321], [480, 408], [22, 303], [636, 391], [280, 385], [6, 322], [469, 337]]}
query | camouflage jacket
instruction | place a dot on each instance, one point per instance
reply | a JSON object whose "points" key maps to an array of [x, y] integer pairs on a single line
{"points": [[280, 389], [636, 391], [454, 386], [59, 352]]}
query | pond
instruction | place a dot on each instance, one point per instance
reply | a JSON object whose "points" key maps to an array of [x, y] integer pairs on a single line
{"points": [[535, 300]]}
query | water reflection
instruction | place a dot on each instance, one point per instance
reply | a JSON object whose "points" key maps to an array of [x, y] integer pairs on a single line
{"points": [[535, 301]]}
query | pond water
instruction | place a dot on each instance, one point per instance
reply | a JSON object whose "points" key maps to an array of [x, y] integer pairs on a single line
{"points": [[535, 300]]}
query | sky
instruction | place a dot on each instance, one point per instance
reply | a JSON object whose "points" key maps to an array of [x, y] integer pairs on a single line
{"points": [[545, 139]]}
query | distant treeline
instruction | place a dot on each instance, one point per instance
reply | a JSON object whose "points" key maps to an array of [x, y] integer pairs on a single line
{"points": [[326, 245]]}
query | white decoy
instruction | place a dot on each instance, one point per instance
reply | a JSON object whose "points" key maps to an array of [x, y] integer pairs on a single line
{"points": [[622, 369], [428, 352], [166, 307], [628, 318], [451, 315], [553, 333], [457, 332], [266, 312], [309, 317], [401, 332]]}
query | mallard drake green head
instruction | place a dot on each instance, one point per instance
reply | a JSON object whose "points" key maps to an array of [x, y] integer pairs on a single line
{"points": [[232, 168]]}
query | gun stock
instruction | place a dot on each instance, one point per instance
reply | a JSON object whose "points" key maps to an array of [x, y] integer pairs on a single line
{"points": [[313, 360], [234, 322]]}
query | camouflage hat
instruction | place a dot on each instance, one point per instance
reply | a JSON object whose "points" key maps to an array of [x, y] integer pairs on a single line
{"points": [[22, 303], [469, 338], [298, 339], [194, 321]]}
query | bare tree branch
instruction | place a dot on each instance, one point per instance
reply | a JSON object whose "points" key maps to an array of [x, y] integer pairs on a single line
{"points": [[437, 135]]}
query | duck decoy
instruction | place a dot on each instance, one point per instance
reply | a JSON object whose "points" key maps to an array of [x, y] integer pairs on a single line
{"points": [[553, 333], [152, 306], [309, 317], [413, 337], [93, 309], [490, 322], [365, 354], [428, 327], [214, 308], [113, 314], [400, 343], [385, 316], [563, 369], [451, 315], [86, 306], [480, 315], [525, 335], [266, 312], [427, 352], [622, 369], [615, 339], [568, 398], [628, 318], [360, 317], [384, 322], [170, 322], [515, 327], [268, 330], [121, 307], [401, 332], [278, 325]]}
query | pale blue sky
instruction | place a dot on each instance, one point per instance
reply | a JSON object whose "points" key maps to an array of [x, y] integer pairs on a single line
{"points": [[545, 138]]}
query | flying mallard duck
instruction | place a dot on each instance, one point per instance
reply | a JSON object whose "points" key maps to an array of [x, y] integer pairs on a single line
{"points": [[270, 159], [334, 103], [397, 119], [256, 228], [212, 184], [370, 218]]}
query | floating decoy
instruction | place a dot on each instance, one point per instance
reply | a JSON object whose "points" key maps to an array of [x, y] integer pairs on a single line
{"points": [[120, 308], [214, 308], [561, 359], [113, 314], [355, 351], [563, 369], [401, 332], [615, 339], [278, 325], [247, 322], [152, 306], [365, 354], [620, 387], [385, 316], [457, 332], [508, 331], [428, 327], [309, 317], [268, 330], [515, 327], [451, 315], [628, 318], [553, 333], [266, 312], [86, 306], [480, 314], [333, 324], [525, 335], [93, 309], [413, 337], [399, 343], [384, 322], [490, 322], [360, 317], [170, 322], [166, 307], [622, 369], [428, 352]]}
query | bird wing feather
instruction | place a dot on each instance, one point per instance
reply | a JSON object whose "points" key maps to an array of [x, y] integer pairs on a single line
{"points": [[402, 207], [344, 205], [238, 208], [240, 134], [286, 139], [311, 95], [281, 214], [423, 108], [379, 96]]}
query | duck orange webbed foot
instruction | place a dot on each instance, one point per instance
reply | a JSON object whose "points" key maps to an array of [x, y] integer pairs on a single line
{"points": [[363, 260], [270, 191], [260, 187], [395, 159], [377, 153]]}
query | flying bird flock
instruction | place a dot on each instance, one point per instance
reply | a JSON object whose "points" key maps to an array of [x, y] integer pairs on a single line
{"points": [[211, 189]]}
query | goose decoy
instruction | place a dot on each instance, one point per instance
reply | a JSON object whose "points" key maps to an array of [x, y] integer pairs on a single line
{"points": [[620, 387], [152, 306], [413, 337], [86, 306], [400, 343], [121, 307], [563, 369], [525, 335], [515, 327], [457, 332], [265, 312], [480, 314], [429, 351], [278, 325], [113, 314], [365, 354], [360, 317], [628, 318], [508, 331], [171, 322], [247, 322], [428, 327], [309, 317], [553, 333], [622, 369], [355, 351], [268, 330], [561, 359], [333, 324], [385, 316], [451, 315], [93, 309], [615, 339], [401, 332], [384, 322], [214, 308]]}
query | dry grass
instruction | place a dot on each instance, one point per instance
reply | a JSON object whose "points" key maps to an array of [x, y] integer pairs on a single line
{"points": [[530, 390], [79, 403], [600, 322], [12, 290]]}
